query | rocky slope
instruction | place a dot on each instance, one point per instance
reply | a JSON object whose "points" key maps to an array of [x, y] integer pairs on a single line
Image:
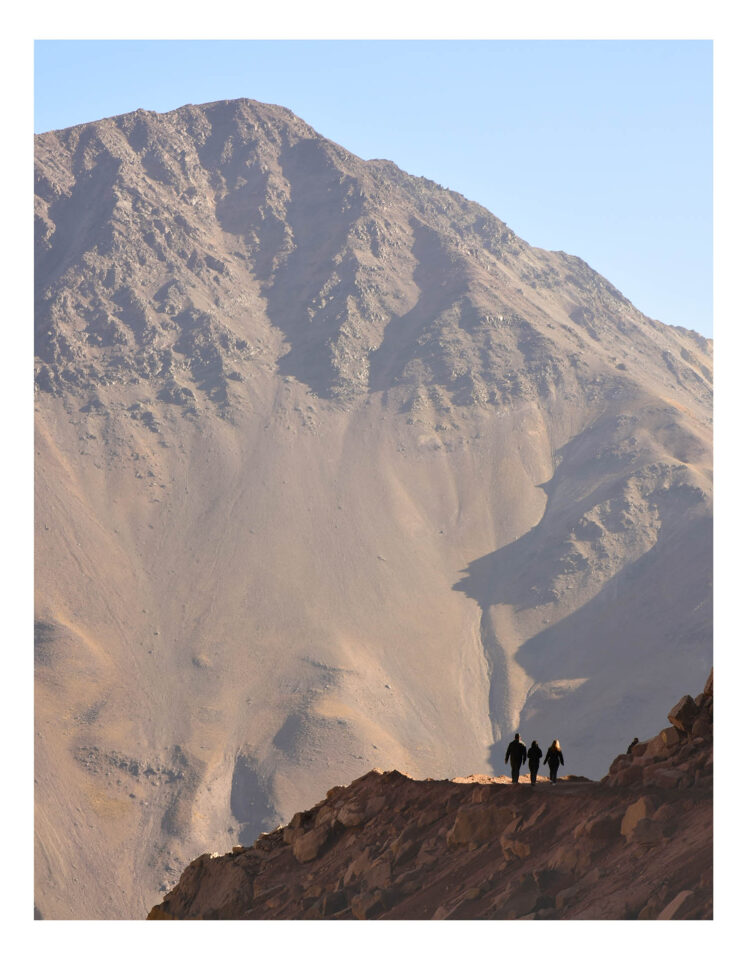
{"points": [[636, 845], [333, 469]]}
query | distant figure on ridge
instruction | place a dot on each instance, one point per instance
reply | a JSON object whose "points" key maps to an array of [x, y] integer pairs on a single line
{"points": [[554, 758], [534, 755], [517, 754], [632, 745]]}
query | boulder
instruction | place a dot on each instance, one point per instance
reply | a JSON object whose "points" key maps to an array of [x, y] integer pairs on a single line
{"points": [[702, 726], [374, 806], [671, 737], [333, 902], [351, 815], [479, 823], [646, 833], [683, 714], [307, 845], [662, 777], [379, 875], [604, 827], [657, 748], [365, 906], [629, 776], [403, 851], [358, 866], [639, 809], [326, 815]]}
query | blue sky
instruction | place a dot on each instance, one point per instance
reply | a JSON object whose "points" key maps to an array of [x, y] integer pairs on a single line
{"points": [[601, 148]]}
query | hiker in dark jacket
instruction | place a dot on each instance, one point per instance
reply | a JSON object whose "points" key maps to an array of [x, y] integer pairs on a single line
{"points": [[632, 745], [517, 754], [554, 758], [534, 755]]}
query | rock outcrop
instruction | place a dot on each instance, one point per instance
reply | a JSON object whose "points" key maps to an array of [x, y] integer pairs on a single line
{"points": [[637, 845]]}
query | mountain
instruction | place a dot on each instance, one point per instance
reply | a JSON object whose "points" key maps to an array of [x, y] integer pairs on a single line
{"points": [[333, 470], [636, 846]]}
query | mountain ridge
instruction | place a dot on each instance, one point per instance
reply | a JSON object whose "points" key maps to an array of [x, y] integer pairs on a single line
{"points": [[331, 464], [637, 845]]}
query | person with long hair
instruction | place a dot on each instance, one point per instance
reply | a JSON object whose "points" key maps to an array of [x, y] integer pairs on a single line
{"points": [[554, 758]]}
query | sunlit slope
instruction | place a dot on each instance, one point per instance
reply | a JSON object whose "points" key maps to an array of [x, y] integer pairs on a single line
{"points": [[333, 472]]}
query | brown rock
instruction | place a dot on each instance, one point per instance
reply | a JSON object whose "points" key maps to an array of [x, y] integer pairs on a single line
{"points": [[639, 809], [374, 805], [625, 778], [357, 867], [671, 737], [604, 827], [646, 833], [379, 875], [684, 713], [709, 687], [365, 906], [351, 815], [677, 906], [307, 845], [333, 903], [479, 823], [518, 899], [569, 860], [429, 816], [702, 726], [664, 777], [325, 816], [513, 848], [566, 896], [403, 851]]}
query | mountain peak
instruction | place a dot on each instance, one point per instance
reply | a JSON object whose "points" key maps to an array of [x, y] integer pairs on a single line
{"points": [[332, 470]]}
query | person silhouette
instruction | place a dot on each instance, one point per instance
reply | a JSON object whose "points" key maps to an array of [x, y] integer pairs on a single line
{"points": [[516, 751], [632, 745], [534, 755], [554, 758]]}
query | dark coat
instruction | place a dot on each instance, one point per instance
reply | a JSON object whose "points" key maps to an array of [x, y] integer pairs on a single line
{"points": [[516, 752], [534, 754], [553, 757]]}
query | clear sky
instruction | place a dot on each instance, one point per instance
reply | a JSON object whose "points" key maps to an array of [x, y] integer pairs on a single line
{"points": [[601, 148]]}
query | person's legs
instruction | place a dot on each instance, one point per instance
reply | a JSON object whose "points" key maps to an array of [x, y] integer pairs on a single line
{"points": [[514, 769]]}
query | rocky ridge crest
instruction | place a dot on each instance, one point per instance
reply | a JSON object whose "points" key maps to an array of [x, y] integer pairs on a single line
{"points": [[637, 845]]}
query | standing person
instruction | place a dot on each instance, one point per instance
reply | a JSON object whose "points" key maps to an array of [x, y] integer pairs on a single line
{"points": [[517, 754], [534, 755], [554, 758]]}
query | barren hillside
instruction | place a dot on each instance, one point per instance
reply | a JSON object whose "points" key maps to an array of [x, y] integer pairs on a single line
{"points": [[332, 471]]}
